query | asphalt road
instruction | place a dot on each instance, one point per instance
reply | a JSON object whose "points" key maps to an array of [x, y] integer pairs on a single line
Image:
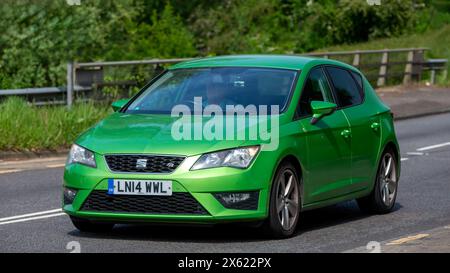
{"points": [[423, 203]]}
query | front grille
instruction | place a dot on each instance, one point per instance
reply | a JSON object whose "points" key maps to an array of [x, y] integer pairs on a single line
{"points": [[177, 203], [153, 163]]}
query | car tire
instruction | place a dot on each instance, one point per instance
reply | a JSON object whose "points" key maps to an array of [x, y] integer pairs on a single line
{"points": [[88, 226], [386, 184], [290, 204]]}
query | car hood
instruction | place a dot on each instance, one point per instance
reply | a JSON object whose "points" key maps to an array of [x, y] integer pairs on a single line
{"points": [[152, 134]]}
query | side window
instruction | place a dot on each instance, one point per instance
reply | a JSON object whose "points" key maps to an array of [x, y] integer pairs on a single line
{"points": [[347, 91], [316, 88], [358, 79]]}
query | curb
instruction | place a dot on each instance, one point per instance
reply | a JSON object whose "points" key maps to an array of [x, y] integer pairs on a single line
{"points": [[14, 156], [438, 112]]}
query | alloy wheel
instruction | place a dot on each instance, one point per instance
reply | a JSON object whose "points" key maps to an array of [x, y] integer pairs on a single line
{"points": [[388, 179], [287, 199]]}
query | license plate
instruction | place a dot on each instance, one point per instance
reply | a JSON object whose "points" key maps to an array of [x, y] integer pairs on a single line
{"points": [[139, 187]]}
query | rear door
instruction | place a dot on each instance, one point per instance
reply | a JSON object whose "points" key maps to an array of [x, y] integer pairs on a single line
{"points": [[364, 123], [328, 154]]}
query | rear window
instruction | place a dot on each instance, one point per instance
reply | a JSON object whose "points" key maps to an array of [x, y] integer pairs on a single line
{"points": [[348, 91]]}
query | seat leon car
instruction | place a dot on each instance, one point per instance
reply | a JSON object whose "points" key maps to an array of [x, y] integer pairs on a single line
{"points": [[250, 138]]}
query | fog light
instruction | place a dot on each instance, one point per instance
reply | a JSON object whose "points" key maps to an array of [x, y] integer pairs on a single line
{"points": [[69, 196], [238, 200]]}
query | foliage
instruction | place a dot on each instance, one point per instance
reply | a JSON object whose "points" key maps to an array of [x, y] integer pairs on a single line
{"points": [[251, 26], [40, 37], [164, 37], [297, 26]]}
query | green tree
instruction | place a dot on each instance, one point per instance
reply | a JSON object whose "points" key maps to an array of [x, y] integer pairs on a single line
{"points": [[39, 38], [165, 37]]}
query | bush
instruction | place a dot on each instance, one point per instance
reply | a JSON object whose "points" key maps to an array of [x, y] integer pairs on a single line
{"points": [[165, 37], [296, 26], [40, 37], [250, 26]]}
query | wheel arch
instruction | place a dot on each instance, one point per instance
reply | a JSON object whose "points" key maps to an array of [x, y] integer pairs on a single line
{"points": [[393, 146], [296, 162], [388, 144]]}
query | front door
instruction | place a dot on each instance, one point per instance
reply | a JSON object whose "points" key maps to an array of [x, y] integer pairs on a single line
{"points": [[327, 169]]}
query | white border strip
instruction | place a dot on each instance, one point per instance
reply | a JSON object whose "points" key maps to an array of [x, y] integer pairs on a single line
{"points": [[433, 146], [30, 214], [32, 218]]}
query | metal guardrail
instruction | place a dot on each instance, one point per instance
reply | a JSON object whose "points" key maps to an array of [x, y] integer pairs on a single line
{"points": [[72, 69], [412, 64], [43, 92], [82, 77], [38, 91], [139, 62], [433, 65]]}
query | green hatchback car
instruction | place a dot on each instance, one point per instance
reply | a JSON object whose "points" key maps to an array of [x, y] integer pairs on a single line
{"points": [[185, 148]]}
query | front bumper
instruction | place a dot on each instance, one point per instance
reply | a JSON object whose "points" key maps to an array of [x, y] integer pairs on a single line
{"points": [[200, 184]]}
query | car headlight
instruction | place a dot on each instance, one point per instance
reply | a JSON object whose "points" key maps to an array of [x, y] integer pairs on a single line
{"points": [[81, 155], [236, 158]]}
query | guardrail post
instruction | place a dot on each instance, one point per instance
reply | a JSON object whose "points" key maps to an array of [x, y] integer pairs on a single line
{"points": [[356, 59], [407, 76], [433, 76], [383, 69], [445, 72], [70, 84]]}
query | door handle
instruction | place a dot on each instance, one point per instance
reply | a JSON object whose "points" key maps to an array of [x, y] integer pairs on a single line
{"points": [[375, 126], [346, 133]]}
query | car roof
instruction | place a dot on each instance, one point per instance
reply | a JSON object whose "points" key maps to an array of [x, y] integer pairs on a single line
{"points": [[269, 61]]}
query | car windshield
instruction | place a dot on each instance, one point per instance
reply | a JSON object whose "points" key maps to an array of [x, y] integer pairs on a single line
{"points": [[215, 86]]}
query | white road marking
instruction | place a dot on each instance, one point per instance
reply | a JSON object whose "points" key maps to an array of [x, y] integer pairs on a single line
{"points": [[30, 214], [431, 147], [414, 153], [55, 165], [13, 166], [10, 171], [404, 159], [32, 218]]}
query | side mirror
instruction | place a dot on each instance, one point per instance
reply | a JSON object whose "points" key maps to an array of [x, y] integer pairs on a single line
{"points": [[321, 109], [117, 105]]}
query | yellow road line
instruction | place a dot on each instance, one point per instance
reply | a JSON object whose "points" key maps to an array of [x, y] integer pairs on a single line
{"points": [[408, 239]]}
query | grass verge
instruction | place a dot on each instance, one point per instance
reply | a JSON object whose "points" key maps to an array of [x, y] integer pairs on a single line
{"points": [[30, 128]]}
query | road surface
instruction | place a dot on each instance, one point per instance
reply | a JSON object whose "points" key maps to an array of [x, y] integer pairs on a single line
{"points": [[31, 222]]}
